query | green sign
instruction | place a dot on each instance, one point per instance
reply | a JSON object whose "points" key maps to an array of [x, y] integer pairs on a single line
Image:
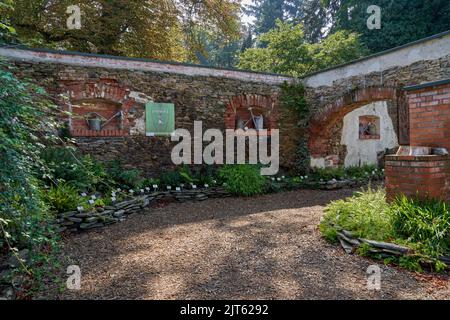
{"points": [[160, 119]]}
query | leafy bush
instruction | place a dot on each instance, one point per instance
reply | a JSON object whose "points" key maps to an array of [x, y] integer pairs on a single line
{"points": [[26, 126], [367, 214], [23, 108], [62, 198], [423, 221], [423, 226], [359, 173], [243, 179], [327, 174], [64, 165], [126, 178], [171, 178]]}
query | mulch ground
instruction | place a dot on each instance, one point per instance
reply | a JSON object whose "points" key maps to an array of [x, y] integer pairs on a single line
{"points": [[268, 247]]}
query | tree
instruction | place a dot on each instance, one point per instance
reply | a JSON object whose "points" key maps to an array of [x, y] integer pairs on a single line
{"points": [[266, 12], [7, 32], [313, 14], [402, 21], [287, 51], [138, 28]]}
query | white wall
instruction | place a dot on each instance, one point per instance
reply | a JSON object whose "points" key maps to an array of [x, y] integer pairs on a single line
{"points": [[424, 50], [365, 151]]}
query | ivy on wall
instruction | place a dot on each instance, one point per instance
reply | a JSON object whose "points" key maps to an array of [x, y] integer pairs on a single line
{"points": [[293, 96]]}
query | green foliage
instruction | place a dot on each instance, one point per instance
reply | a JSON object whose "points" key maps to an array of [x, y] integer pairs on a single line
{"points": [[242, 179], [423, 226], [171, 178], [64, 165], [288, 53], [293, 96], [62, 198], [7, 32], [367, 214], [22, 131], [402, 21], [26, 123], [362, 173], [148, 29], [124, 178], [423, 221]]}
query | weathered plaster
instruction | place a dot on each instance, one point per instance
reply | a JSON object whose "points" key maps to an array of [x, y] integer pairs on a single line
{"points": [[398, 57], [361, 152]]}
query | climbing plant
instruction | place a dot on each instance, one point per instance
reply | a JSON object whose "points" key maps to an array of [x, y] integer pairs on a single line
{"points": [[24, 222], [293, 96]]}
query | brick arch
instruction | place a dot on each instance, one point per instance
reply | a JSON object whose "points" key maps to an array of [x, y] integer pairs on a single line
{"points": [[322, 123], [108, 95], [238, 105]]}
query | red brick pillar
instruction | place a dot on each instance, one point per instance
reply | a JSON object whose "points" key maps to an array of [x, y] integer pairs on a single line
{"points": [[422, 176]]}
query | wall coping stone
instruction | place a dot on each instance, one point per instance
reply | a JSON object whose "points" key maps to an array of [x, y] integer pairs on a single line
{"points": [[423, 158], [23, 53]]}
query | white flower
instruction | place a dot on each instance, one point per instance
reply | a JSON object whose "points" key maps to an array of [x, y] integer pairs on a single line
{"points": [[131, 191], [169, 188], [80, 208], [91, 201], [283, 177], [147, 188], [155, 186], [118, 189], [142, 190], [93, 197], [194, 186], [206, 185], [113, 199], [84, 195]]}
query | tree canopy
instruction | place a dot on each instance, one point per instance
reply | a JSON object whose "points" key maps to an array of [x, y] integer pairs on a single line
{"points": [[138, 28], [288, 52], [402, 21]]}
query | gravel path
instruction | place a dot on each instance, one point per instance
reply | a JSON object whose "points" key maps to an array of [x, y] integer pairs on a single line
{"points": [[267, 247]]}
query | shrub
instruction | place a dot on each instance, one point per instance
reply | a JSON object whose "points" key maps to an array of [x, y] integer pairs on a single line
{"points": [[23, 131], [423, 221], [423, 226], [367, 214], [64, 165], [360, 173], [126, 178], [171, 178], [243, 179], [62, 198]]}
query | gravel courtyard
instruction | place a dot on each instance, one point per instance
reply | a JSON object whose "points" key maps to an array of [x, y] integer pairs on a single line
{"points": [[268, 247]]}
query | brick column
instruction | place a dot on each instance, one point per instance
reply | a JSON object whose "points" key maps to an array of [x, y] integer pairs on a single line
{"points": [[423, 176]]}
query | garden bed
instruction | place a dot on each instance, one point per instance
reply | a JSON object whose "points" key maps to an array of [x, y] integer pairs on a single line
{"points": [[75, 221]]}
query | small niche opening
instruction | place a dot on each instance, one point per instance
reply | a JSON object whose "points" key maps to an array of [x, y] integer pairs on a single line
{"points": [[369, 128]]}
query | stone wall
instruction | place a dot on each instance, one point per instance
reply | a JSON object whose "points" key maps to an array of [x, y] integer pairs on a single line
{"points": [[199, 94], [333, 93]]}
